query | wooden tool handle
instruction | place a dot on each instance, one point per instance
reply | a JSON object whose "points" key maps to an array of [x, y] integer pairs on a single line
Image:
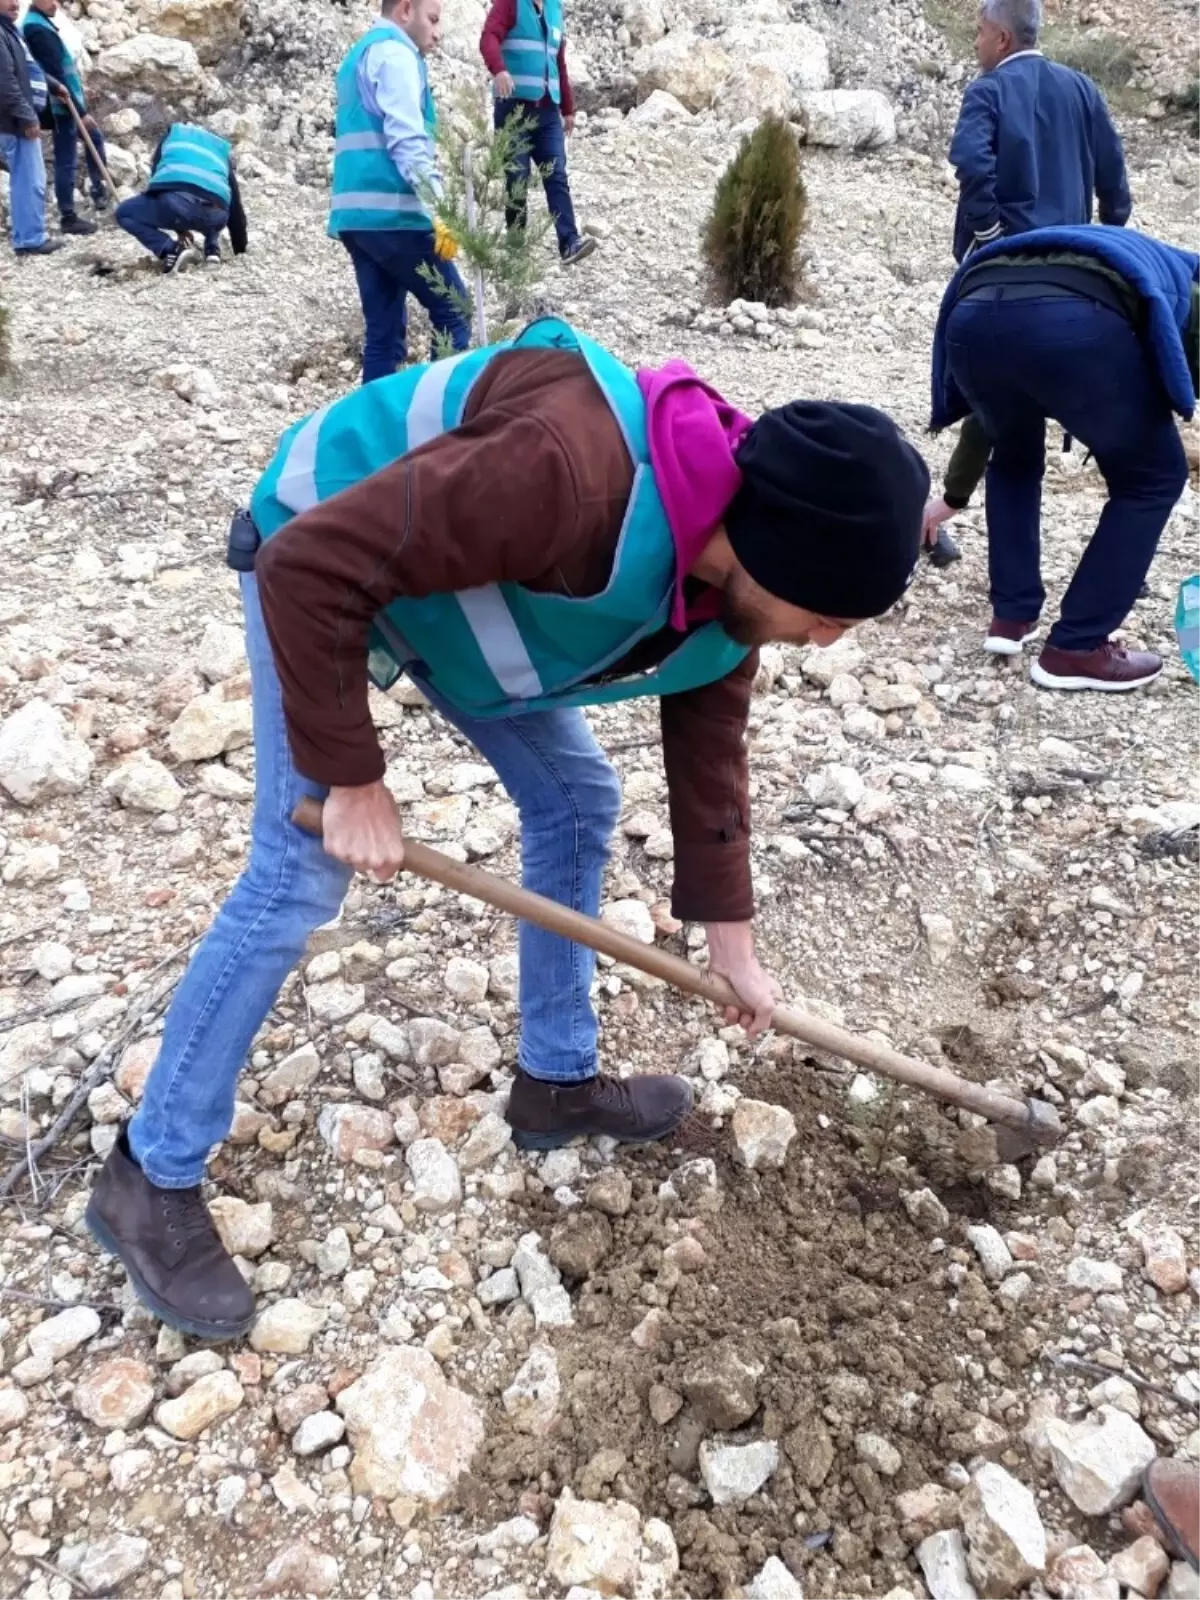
{"points": [[1035, 1118], [92, 151]]}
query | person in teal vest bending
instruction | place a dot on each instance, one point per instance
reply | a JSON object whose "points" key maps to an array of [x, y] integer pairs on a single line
{"points": [[193, 189], [56, 59], [384, 175], [525, 49], [524, 530]]}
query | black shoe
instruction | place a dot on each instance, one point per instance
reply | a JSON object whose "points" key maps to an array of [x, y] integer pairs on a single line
{"points": [[578, 249], [166, 1241], [74, 224], [178, 257], [630, 1110], [46, 248], [100, 202], [943, 552]]}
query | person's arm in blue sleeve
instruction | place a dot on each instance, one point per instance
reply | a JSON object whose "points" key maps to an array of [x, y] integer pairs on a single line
{"points": [[1112, 182], [393, 75], [973, 157]]}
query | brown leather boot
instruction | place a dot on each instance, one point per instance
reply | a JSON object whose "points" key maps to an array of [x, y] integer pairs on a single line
{"points": [[631, 1110], [1172, 1491], [166, 1241]]}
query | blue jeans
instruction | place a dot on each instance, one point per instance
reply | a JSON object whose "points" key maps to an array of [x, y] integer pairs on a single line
{"points": [[27, 189], [155, 217], [67, 145], [1065, 357], [545, 145], [568, 797], [387, 264]]}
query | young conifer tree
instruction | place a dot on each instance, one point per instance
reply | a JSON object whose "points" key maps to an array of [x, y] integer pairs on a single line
{"points": [[499, 264], [758, 213]]}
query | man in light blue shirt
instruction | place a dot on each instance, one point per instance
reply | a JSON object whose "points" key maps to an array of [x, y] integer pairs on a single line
{"points": [[385, 170]]}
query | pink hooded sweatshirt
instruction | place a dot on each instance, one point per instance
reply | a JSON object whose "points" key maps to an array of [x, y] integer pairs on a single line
{"points": [[694, 434]]}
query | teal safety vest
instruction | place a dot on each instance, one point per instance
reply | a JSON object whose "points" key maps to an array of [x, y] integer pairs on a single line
{"points": [[70, 70], [368, 188], [194, 156], [500, 649], [530, 50]]}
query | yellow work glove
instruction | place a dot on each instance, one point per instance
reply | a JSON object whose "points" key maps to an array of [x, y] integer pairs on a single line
{"points": [[445, 245]]}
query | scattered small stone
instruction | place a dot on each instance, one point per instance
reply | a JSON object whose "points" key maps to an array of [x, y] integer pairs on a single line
{"points": [[532, 1398], [943, 1561], [286, 1328], [245, 1230], [437, 1183], [993, 1253], [541, 1287], [722, 1385], [350, 1129], [321, 1431], [595, 1546], [734, 1472], [1006, 1542], [115, 1394], [774, 1582], [58, 1336], [762, 1133], [303, 1569], [879, 1453], [208, 1401], [1099, 1463], [1097, 1277], [111, 1562], [611, 1192], [1164, 1258], [927, 1211], [1143, 1566], [413, 1433]]}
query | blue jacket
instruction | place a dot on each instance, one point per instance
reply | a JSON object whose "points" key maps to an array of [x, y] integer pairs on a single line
{"points": [[1162, 276], [1033, 145]]}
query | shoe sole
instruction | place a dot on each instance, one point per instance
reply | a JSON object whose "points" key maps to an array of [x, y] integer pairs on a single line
{"points": [[1047, 680], [1008, 647], [165, 1313], [1176, 1546], [555, 1141]]}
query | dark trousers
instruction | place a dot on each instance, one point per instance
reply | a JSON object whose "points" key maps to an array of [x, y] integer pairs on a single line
{"points": [[67, 144], [387, 264], [544, 146], [156, 217], [1021, 361]]}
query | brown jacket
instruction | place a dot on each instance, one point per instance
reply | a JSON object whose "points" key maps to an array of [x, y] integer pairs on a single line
{"points": [[530, 489]]}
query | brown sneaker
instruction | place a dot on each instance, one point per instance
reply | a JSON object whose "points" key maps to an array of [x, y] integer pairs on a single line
{"points": [[1172, 1491], [166, 1241], [630, 1110], [1006, 638], [1109, 667]]}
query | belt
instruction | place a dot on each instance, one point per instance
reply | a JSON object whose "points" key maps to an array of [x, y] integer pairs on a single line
{"points": [[1050, 281], [1023, 291]]}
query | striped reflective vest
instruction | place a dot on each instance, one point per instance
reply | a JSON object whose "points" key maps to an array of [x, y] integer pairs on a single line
{"points": [[500, 650], [530, 50], [369, 190], [70, 70], [196, 157]]}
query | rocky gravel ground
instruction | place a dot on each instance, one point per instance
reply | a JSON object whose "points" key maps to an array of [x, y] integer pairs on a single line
{"points": [[828, 1344]]}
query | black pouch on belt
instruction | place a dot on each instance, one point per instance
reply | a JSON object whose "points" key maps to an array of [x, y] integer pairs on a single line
{"points": [[244, 540]]}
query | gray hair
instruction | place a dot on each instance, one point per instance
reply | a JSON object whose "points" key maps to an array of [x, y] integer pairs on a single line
{"points": [[1021, 18]]}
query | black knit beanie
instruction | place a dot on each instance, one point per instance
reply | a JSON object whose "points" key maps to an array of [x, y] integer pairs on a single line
{"points": [[829, 512]]}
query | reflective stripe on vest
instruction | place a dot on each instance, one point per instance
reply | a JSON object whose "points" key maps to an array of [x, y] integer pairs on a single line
{"points": [[70, 73], [196, 157], [530, 50], [500, 649], [369, 191]]}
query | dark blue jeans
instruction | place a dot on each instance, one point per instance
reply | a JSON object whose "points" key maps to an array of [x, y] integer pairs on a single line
{"points": [[387, 265], [1019, 362], [545, 146], [146, 216], [67, 145]]}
